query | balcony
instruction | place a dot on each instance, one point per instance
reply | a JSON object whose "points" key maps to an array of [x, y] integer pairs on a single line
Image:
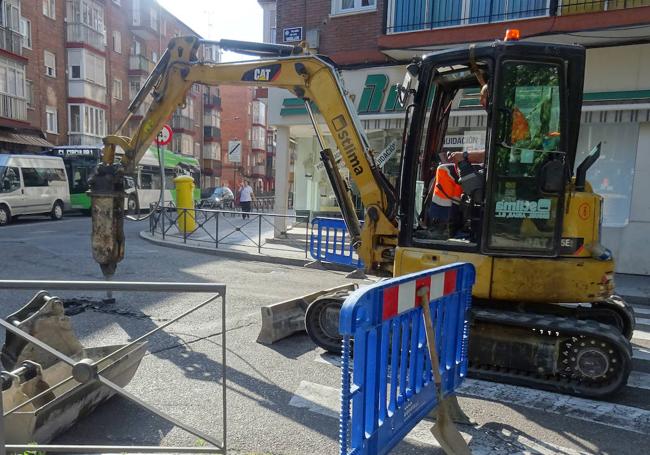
{"points": [[77, 32], [259, 170], [139, 64], [420, 15], [13, 107], [11, 41], [181, 122], [211, 134], [212, 102], [144, 22]]}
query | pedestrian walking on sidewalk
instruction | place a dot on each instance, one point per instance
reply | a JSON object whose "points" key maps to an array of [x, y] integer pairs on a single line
{"points": [[246, 198]]}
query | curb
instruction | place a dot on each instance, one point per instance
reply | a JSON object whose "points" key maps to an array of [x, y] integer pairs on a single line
{"points": [[225, 253]]}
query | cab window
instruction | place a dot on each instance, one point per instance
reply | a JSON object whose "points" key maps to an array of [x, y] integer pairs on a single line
{"points": [[523, 212]]}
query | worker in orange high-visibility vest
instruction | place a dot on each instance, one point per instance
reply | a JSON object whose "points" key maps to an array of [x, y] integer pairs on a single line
{"points": [[445, 190]]}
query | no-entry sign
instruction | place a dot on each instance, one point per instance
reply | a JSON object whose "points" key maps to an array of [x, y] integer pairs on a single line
{"points": [[165, 135]]}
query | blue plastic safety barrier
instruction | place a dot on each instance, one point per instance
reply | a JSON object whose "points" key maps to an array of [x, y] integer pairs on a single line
{"points": [[391, 386], [329, 242]]}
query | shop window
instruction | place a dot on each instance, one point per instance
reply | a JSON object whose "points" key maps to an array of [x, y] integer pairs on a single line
{"points": [[612, 175]]}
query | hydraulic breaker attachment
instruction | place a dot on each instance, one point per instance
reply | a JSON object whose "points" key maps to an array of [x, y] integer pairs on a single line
{"points": [[107, 195], [283, 319]]}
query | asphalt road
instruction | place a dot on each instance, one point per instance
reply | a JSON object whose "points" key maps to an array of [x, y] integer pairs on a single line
{"points": [[282, 399]]}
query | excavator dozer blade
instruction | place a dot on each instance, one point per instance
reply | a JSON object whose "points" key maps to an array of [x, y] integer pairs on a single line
{"points": [[39, 395], [280, 320]]}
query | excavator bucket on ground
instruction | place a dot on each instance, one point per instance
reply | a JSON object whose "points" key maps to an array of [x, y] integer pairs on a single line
{"points": [[282, 319], [39, 395]]}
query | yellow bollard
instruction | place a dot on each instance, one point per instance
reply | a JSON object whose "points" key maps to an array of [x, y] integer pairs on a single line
{"points": [[184, 200]]}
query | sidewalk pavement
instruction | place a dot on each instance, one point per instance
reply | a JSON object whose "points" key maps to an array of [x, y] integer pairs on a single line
{"points": [[253, 239]]}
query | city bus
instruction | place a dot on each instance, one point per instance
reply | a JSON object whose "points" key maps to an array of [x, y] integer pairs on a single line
{"points": [[81, 161]]}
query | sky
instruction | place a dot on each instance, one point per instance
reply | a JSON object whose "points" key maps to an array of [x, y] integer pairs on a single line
{"points": [[218, 19]]}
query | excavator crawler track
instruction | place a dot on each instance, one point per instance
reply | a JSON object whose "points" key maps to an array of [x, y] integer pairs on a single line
{"points": [[560, 354]]}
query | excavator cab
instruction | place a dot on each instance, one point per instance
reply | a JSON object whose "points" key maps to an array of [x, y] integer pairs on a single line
{"points": [[516, 212], [511, 201]]}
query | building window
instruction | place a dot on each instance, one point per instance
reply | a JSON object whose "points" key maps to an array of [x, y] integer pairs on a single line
{"points": [[154, 56], [117, 2], [117, 89], [153, 18], [75, 72], [12, 78], [26, 31], [88, 120], [135, 8], [95, 69], [350, 6], [29, 91], [117, 42], [75, 118], [49, 8], [52, 123], [50, 64]]}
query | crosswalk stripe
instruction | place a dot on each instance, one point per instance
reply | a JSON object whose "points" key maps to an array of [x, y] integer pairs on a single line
{"points": [[641, 335], [639, 380], [619, 416], [641, 353], [643, 321], [638, 310], [325, 400], [610, 414]]}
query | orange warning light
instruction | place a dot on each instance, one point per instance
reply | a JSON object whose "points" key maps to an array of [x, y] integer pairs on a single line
{"points": [[512, 34]]}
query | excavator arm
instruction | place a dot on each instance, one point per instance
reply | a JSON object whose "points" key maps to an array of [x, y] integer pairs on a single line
{"points": [[310, 78]]}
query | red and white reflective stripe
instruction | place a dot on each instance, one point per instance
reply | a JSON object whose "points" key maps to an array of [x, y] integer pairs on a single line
{"points": [[403, 297]]}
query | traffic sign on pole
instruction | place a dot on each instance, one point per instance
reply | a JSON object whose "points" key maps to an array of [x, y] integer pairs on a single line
{"points": [[165, 135], [234, 151]]}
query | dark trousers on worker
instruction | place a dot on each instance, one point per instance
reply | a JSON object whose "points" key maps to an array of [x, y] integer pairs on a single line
{"points": [[245, 208]]}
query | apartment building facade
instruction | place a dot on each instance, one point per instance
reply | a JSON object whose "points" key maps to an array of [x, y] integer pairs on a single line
{"points": [[372, 40], [69, 69], [247, 144]]}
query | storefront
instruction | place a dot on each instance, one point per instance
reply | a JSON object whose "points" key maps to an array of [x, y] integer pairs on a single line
{"points": [[616, 112]]}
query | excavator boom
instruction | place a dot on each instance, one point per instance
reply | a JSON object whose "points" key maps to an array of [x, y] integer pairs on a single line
{"points": [[310, 78]]}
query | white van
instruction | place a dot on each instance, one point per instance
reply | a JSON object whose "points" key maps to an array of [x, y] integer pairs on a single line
{"points": [[32, 184]]}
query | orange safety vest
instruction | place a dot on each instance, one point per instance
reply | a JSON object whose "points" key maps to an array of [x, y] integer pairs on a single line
{"points": [[445, 187]]}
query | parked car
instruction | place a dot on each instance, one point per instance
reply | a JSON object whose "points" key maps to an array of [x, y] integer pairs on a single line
{"points": [[221, 197], [32, 184]]}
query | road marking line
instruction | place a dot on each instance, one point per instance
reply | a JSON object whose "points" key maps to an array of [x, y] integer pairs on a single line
{"points": [[639, 380], [641, 335], [317, 398], [643, 321], [329, 359], [641, 353], [638, 310], [325, 400], [613, 415]]}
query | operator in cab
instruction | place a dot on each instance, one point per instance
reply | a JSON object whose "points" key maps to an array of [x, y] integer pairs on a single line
{"points": [[445, 191]]}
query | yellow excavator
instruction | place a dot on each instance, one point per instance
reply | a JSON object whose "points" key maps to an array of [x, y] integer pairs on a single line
{"points": [[544, 312]]}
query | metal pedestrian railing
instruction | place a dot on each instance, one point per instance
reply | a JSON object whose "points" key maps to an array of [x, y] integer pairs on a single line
{"points": [[329, 242], [229, 228], [393, 384], [89, 372]]}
